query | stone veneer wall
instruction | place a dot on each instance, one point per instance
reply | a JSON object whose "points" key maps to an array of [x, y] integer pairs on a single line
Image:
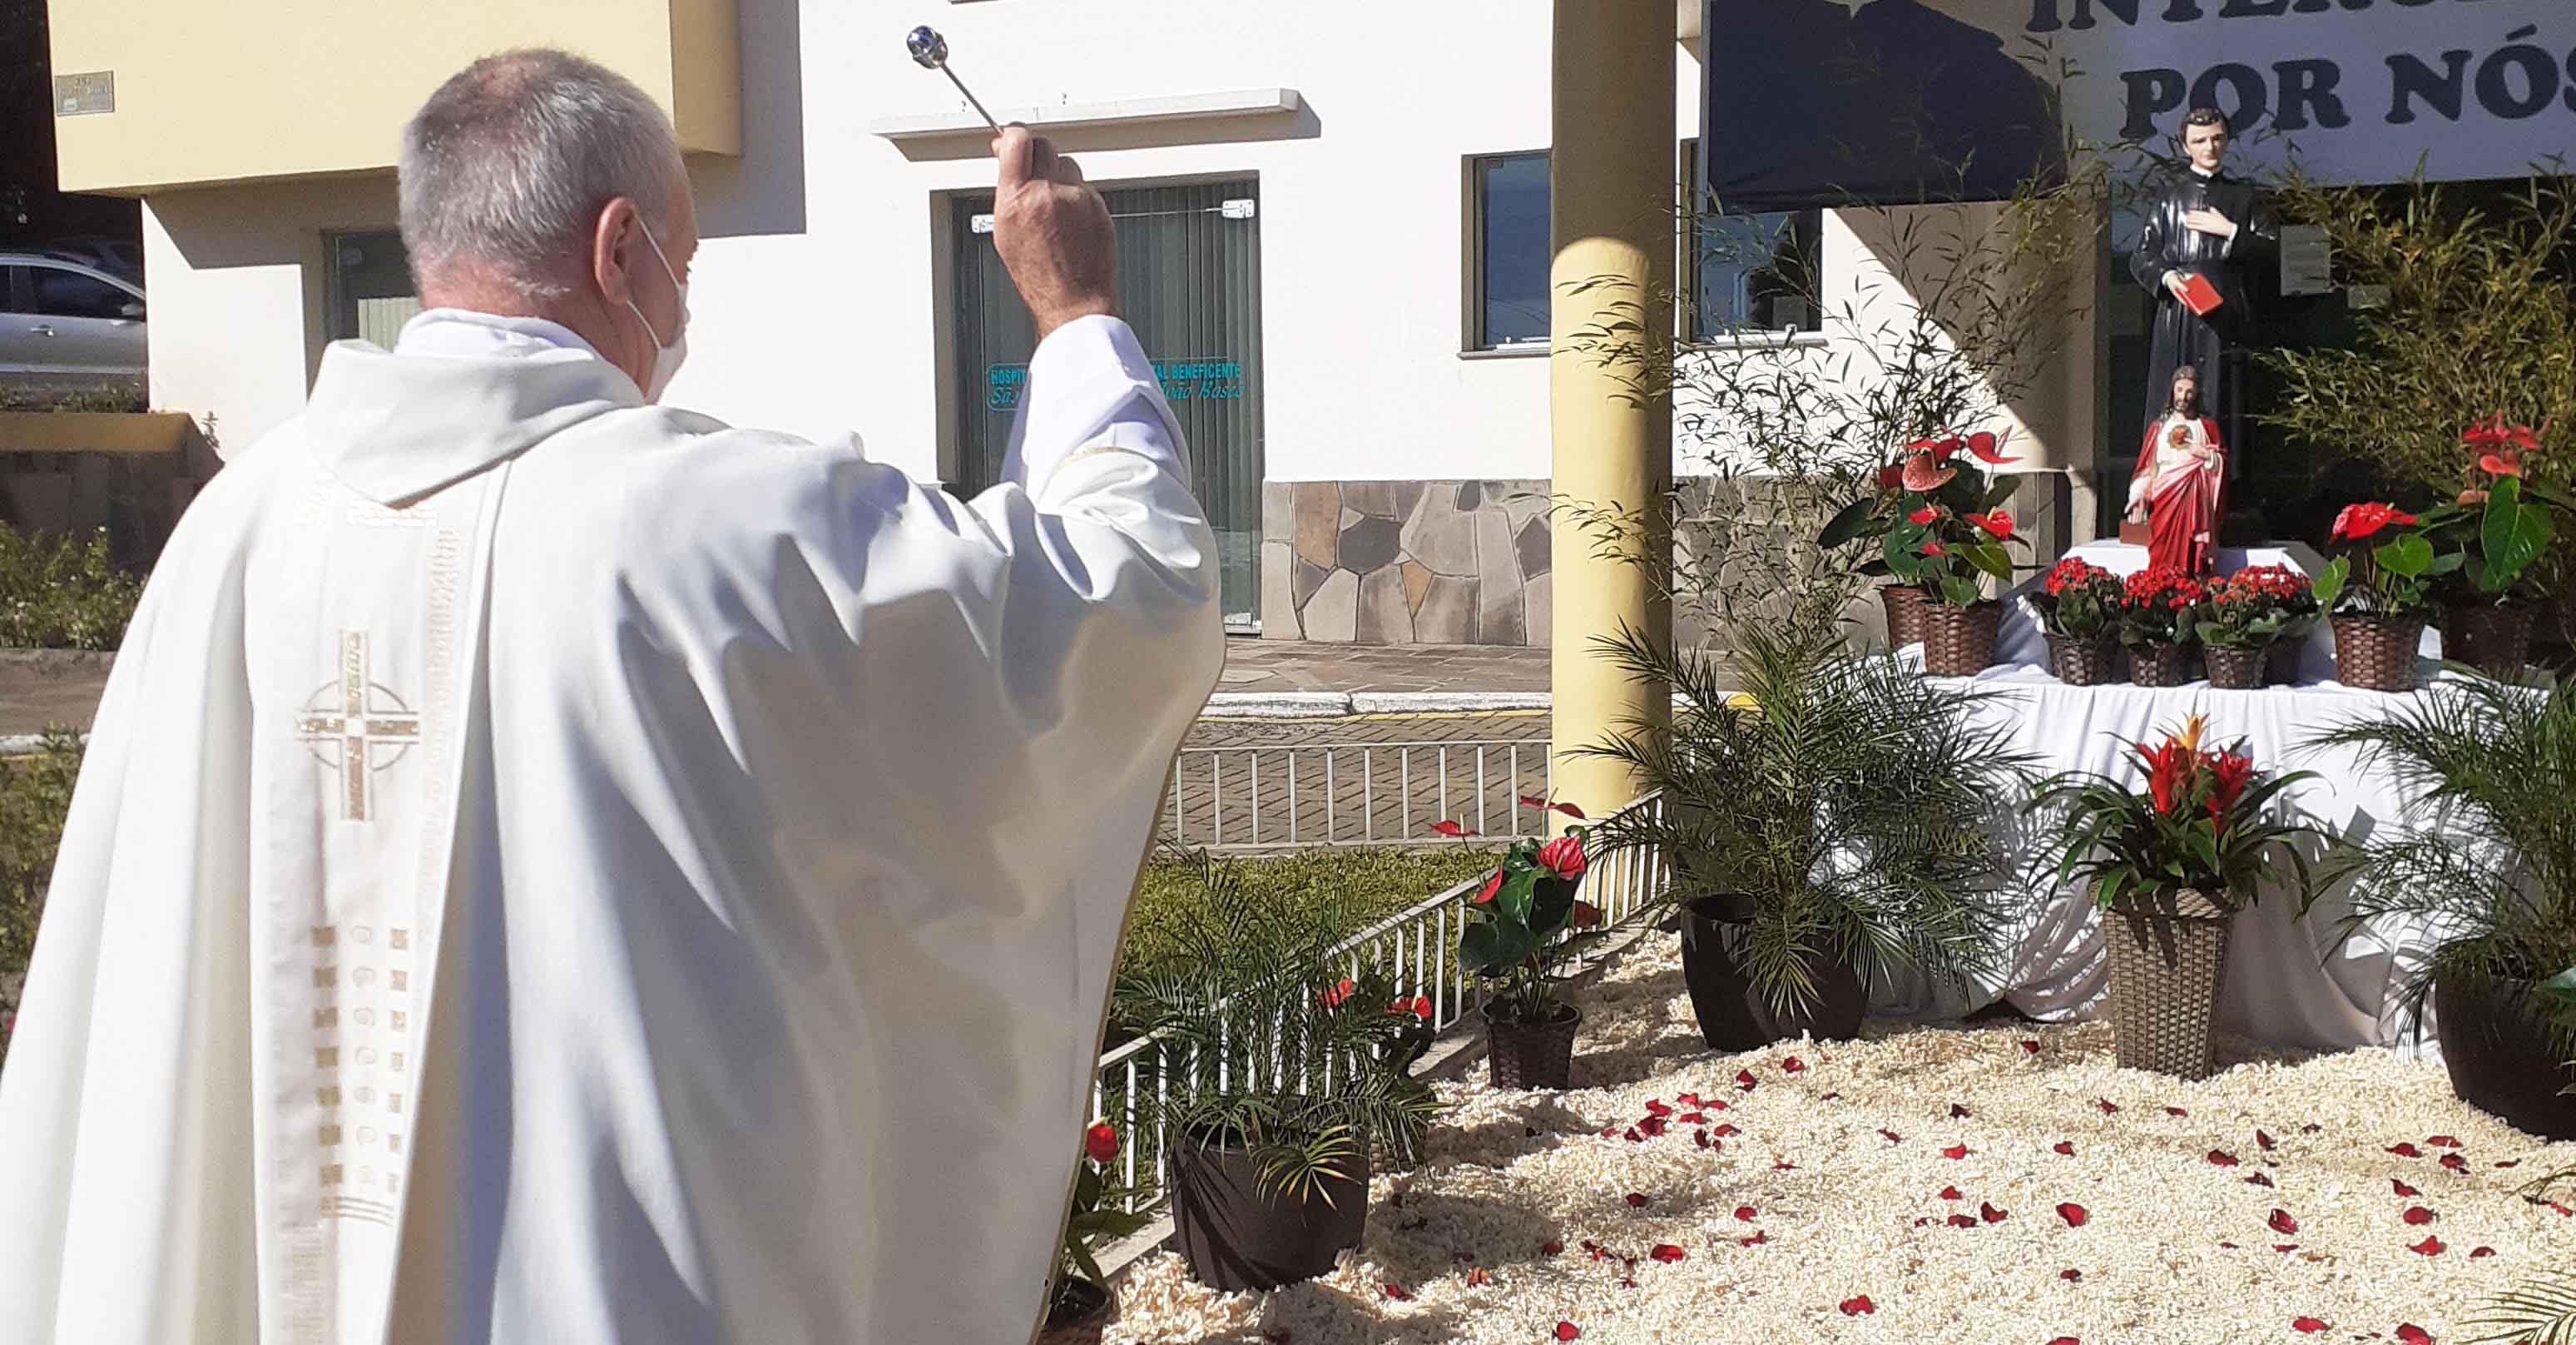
{"points": [[1405, 562]]}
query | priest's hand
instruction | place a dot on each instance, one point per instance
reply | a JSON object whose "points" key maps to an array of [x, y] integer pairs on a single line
{"points": [[2174, 283], [2207, 221], [1053, 232]]}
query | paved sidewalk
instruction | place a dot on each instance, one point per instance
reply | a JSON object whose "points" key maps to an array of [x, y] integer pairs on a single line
{"points": [[1301, 665]]}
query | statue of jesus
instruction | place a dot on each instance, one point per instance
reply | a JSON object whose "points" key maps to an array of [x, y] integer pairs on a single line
{"points": [[2182, 473]]}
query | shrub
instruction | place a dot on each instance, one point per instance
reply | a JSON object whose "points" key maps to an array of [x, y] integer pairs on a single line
{"points": [[35, 793], [62, 593]]}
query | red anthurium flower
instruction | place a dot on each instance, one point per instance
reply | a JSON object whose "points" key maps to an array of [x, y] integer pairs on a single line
{"points": [[2405, 1150], [1944, 449], [1950, 1193], [1744, 1079], [2264, 1140], [2417, 1214], [2222, 1158], [1334, 996], [1792, 1065], [2476, 1252], [1746, 1214], [1568, 1331], [2070, 1275], [2361, 520], [1666, 1252], [1451, 829], [1100, 1141], [2412, 1334], [1584, 915], [2066, 1147], [2259, 1179], [1923, 472], [2504, 462], [1636, 1200], [1534, 801], [2402, 1188], [1923, 515], [1998, 524], [1963, 1221], [1984, 447], [2281, 1222], [1858, 1304], [1955, 1151], [1933, 547], [1493, 884], [1958, 1112], [2072, 1213], [1562, 856], [1891, 476], [2430, 1246], [1987, 1211], [2307, 1326]]}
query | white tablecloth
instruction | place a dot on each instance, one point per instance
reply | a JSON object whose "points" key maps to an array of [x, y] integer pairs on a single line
{"points": [[2282, 987]]}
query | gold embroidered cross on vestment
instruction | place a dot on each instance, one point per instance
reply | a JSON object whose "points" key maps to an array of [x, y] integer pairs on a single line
{"points": [[356, 727]]}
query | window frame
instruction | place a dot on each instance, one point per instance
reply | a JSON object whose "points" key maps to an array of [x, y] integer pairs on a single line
{"points": [[34, 303], [1686, 293], [1473, 342]]}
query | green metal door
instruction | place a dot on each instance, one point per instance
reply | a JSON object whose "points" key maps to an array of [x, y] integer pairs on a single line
{"points": [[1189, 281]]}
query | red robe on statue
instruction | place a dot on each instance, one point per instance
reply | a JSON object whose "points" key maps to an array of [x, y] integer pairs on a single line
{"points": [[2181, 476]]}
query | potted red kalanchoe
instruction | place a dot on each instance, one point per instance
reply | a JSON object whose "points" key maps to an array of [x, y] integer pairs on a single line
{"points": [[2378, 593], [2169, 868], [2155, 624], [2244, 617], [1923, 519], [2078, 606], [1524, 923]]}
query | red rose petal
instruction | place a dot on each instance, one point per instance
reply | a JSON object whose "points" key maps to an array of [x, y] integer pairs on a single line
{"points": [[1857, 1304], [1633, 1137], [2264, 1140], [1692, 1118], [1951, 1193], [1828, 1097], [2072, 1213], [2228, 1245], [2029, 1046], [1891, 1136], [1652, 1125], [2412, 1334], [2402, 1188], [1987, 1212], [1963, 1221], [1793, 1065], [1551, 1247], [2455, 1162], [2560, 1208], [2310, 1128], [2222, 1158], [2280, 1221], [2106, 1104], [2065, 1340], [2259, 1179], [1568, 1331], [2070, 1274], [1636, 1200], [2405, 1150], [1744, 1079], [1666, 1252], [1955, 1151], [1700, 1137], [1656, 1107], [2430, 1246], [2285, 1246], [2307, 1325], [1783, 1165], [2066, 1147], [2176, 1111], [2443, 1141], [2417, 1214], [2510, 1163], [1958, 1112], [1397, 1292], [2476, 1252], [1756, 1240], [1723, 1130], [1745, 1214], [1687, 1099], [1921, 1220]]}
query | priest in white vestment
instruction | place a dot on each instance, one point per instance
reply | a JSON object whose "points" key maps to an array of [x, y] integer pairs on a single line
{"points": [[555, 868]]}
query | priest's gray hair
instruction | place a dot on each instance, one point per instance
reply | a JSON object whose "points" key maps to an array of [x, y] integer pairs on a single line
{"points": [[505, 169]]}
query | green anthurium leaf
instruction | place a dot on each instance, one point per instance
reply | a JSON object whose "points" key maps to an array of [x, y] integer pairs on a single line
{"points": [[1958, 592], [1512, 902], [2483, 576], [1991, 558], [2000, 493], [2445, 563], [2330, 582], [1493, 947], [1850, 523], [1554, 900], [1877, 569], [2512, 535], [2406, 557]]}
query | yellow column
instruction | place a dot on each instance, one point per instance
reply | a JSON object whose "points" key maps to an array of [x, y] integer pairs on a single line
{"points": [[1611, 172]]}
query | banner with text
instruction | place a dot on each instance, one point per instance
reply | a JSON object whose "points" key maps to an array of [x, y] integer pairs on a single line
{"points": [[1831, 102]]}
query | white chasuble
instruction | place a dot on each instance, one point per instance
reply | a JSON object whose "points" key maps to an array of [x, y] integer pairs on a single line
{"points": [[550, 868]]}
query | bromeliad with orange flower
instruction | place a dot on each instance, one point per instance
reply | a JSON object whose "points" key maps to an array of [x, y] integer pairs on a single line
{"points": [[2199, 819], [1937, 517], [1524, 921]]}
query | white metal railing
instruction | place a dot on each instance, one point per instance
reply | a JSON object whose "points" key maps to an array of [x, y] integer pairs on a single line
{"points": [[1231, 799], [1417, 947]]}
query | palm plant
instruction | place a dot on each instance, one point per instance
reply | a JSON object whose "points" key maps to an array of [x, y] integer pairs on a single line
{"points": [[2539, 1311], [1272, 1042], [2491, 870], [1841, 802]]}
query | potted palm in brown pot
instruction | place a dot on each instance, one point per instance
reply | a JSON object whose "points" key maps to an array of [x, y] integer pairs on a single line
{"points": [[1280, 1070], [1826, 822], [1524, 924], [2483, 862], [2169, 865]]}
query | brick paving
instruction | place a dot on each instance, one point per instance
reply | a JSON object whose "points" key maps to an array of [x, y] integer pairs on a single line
{"points": [[1300, 665]]}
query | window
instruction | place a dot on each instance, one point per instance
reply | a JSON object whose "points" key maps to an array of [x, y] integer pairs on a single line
{"points": [[369, 286], [1749, 273], [65, 293], [1512, 255]]}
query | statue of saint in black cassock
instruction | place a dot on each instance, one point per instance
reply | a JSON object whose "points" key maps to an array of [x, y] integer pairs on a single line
{"points": [[2201, 222]]}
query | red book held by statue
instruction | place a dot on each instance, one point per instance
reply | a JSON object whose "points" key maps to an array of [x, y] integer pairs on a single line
{"points": [[2200, 295]]}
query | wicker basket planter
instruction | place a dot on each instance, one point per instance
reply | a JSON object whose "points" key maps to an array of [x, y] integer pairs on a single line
{"points": [[2375, 653], [2168, 958], [1903, 604], [1531, 1055], [2083, 663], [1960, 641], [2235, 668], [2494, 640], [2162, 665]]}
